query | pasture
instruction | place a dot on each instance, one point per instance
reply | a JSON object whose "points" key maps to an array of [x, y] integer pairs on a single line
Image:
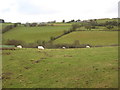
{"points": [[3, 25], [104, 20], [61, 68], [32, 34], [90, 37]]}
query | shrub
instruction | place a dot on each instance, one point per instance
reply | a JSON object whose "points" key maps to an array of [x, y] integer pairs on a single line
{"points": [[75, 26], [33, 24], [88, 27], [14, 42], [109, 27], [52, 38], [39, 42], [76, 43], [30, 45], [42, 24]]}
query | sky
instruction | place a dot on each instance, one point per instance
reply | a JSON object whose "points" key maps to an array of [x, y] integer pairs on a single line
{"points": [[50, 10]]}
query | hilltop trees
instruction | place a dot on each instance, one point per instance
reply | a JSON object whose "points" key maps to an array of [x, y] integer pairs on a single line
{"points": [[63, 21], [75, 26], [2, 21]]}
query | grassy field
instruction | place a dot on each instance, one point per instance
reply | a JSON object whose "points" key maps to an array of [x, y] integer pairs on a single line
{"points": [[98, 28], [61, 68], [90, 37], [32, 34], [104, 20], [3, 25]]}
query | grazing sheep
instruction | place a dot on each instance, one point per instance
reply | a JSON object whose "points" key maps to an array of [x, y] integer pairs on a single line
{"points": [[19, 46], [63, 47], [87, 46], [41, 47]]}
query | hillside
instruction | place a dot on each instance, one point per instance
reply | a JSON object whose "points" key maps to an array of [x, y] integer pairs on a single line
{"points": [[88, 37], [61, 68], [32, 34], [74, 66]]}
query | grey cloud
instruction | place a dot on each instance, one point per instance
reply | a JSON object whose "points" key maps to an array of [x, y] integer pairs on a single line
{"points": [[24, 6]]}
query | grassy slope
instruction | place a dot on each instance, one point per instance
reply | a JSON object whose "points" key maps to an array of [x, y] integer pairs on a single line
{"points": [[3, 25], [31, 34], [59, 68], [104, 20], [92, 38]]}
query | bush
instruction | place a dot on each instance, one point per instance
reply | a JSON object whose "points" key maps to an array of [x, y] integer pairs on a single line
{"points": [[42, 24], [67, 45], [109, 27], [75, 26], [14, 42], [30, 45], [39, 42], [76, 43], [88, 27], [52, 38], [33, 24]]}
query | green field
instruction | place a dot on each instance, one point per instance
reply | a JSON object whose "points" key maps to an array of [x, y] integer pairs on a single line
{"points": [[32, 34], [3, 25], [45, 33], [104, 20], [90, 37], [61, 68]]}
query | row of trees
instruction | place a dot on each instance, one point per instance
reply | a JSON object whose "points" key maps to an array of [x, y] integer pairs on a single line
{"points": [[2, 21], [63, 21], [112, 23], [93, 23], [75, 44], [74, 27], [36, 24]]}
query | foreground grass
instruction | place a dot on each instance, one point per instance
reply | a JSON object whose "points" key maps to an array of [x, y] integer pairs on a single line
{"points": [[61, 68], [90, 37]]}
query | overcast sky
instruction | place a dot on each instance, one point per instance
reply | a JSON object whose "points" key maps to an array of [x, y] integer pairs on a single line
{"points": [[49, 10]]}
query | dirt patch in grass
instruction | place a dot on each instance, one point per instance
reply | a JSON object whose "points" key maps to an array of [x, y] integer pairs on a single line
{"points": [[7, 49], [26, 67], [37, 61], [6, 75], [68, 56]]}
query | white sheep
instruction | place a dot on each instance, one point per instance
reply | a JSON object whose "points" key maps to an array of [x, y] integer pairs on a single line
{"points": [[19, 46], [41, 47], [63, 47], [87, 46]]}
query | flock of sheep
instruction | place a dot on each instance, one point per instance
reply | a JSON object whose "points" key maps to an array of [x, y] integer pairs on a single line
{"points": [[39, 47], [42, 48]]}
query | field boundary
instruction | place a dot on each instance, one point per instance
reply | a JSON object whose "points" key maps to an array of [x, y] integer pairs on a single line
{"points": [[57, 37], [8, 28], [97, 30]]}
